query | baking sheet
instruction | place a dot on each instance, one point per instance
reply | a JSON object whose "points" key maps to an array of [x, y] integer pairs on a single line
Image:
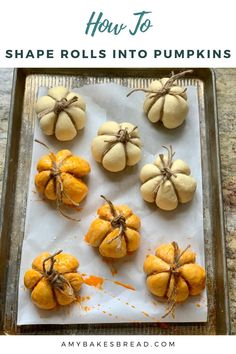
{"points": [[46, 230]]}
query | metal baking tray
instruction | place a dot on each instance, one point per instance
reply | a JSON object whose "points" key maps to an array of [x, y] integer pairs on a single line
{"points": [[15, 186]]}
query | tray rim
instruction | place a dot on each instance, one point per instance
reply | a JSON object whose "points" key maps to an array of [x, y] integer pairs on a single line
{"points": [[21, 74]]}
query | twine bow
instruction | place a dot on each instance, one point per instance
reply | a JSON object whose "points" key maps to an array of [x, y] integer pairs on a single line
{"points": [[123, 136], [56, 279], [166, 89], [171, 299], [166, 172], [59, 106], [118, 221], [59, 188]]}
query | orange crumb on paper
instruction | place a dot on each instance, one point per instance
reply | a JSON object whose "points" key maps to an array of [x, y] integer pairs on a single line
{"points": [[111, 266], [198, 305], [147, 315], [113, 271], [127, 286], [86, 308], [92, 280], [83, 298], [97, 282]]}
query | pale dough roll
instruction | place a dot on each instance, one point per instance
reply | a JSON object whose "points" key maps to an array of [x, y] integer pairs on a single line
{"points": [[43, 103], [80, 103], [167, 182], [58, 92], [156, 110], [180, 166], [47, 123], [109, 128], [117, 146], [77, 116], [175, 111], [149, 171], [166, 102], [148, 189], [61, 113], [65, 129], [100, 145], [185, 187], [166, 198], [115, 159], [133, 154]]}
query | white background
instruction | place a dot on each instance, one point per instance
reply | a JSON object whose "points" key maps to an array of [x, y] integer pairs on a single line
{"points": [[61, 24], [183, 344]]}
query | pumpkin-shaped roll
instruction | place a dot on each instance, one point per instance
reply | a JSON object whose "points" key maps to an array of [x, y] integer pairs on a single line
{"points": [[166, 102], [166, 182], [53, 280], [115, 232], [117, 146], [173, 274], [61, 113], [59, 178]]}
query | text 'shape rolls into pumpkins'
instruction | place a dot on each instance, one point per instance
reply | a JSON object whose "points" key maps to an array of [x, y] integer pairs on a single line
{"points": [[117, 145], [61, 112], [173, 274], [59, 178], [53, 280], [167, 182], [115, 232], [165, 101]]}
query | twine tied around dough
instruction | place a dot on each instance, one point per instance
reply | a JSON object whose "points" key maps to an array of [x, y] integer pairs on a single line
{"points": [[123, 136], [171, 299], [118, 221], [59, 106], [59, 187], [166, 172], [55, 278], [166, 89]]}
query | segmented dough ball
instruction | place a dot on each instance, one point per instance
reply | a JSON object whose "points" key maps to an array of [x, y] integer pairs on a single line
{"points": [[173, 274], [165, 101], [171, 109], [117, 145], [115, 232], [61, 113], [167, 182]]}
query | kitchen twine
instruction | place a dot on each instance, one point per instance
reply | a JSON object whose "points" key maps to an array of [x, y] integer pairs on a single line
{"points": [[166, 89]]}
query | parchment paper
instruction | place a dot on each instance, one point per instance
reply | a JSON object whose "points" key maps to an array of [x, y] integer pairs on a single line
{"points": [[46, 230]]}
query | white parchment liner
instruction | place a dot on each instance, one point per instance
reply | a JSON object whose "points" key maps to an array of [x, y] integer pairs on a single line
{"points": [[46, 230]]}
